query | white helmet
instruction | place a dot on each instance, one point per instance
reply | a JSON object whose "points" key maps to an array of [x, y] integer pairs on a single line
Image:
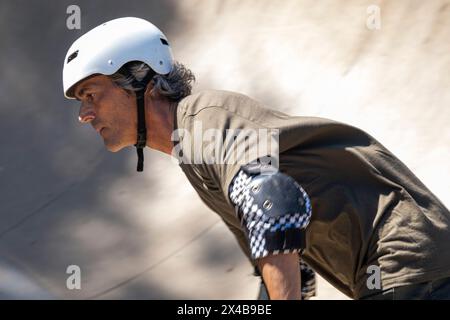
{"points": [[106, 48]]}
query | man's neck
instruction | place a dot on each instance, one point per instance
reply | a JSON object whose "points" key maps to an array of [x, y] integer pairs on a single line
{"points": [[160, 117]]}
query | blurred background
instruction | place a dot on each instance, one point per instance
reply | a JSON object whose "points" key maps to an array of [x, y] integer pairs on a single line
{"points": [[64, 200]]}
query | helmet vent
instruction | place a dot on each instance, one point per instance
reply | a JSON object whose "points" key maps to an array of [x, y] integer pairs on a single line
{"points": [[164, 41], [72, 56]]}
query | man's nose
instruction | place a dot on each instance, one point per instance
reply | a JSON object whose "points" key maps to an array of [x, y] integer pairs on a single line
{"points": [[87, 113]]}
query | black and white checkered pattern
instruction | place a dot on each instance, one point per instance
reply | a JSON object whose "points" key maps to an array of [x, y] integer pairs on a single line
{"points": [[257, 223], [308, 281]]}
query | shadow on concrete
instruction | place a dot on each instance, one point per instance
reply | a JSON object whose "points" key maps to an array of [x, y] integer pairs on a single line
{"points": [[64, 199]]}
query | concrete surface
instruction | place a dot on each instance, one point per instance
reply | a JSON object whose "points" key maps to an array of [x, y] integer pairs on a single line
{"points": [[64, 200]]}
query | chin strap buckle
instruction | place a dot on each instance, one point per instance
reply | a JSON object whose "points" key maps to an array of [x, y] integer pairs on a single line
{"points": [[141, 140]]}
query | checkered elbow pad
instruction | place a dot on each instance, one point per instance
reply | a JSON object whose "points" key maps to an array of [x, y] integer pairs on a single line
{"points": [[308, 281], [270, 233]]}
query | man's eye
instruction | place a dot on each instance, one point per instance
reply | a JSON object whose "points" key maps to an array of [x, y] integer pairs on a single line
{"points": [[90, 96]]}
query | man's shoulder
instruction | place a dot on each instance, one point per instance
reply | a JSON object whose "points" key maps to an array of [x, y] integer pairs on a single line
{"points": [[226, 100]]}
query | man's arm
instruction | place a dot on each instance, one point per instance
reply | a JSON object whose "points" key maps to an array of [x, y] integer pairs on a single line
{"points": [[274, 211], [281, 275]]}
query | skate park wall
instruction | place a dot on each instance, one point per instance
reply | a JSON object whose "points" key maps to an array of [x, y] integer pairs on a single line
{"points": [[65, 200]]}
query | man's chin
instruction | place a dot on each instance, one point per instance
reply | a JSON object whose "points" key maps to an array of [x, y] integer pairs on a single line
{"points": [[113, 148]]}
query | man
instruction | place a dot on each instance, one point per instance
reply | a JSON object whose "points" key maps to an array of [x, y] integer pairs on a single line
{"points": [[289, 188]]}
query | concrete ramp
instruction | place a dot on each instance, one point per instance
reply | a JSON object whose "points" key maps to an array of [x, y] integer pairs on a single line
{"points": [[66, 201]]}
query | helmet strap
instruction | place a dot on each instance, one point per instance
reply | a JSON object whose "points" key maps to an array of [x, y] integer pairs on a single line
{"points": [[141, 129]]}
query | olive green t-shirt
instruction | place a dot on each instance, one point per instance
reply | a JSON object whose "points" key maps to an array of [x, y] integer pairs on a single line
{"points": [[368, 208]]}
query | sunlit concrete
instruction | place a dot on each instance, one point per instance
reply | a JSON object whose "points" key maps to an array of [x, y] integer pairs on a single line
{"points": [[64, 200]]}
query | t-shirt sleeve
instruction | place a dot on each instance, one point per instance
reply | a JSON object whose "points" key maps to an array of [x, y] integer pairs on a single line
{"points": [[274, 212], [221, 141]]}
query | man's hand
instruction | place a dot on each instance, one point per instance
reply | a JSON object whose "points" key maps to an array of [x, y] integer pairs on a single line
{"points": [[281, 274]]}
